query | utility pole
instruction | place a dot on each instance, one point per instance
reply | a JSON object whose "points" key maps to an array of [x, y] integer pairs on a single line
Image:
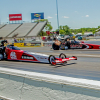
{"points": [[57, 14], [0, 20]]}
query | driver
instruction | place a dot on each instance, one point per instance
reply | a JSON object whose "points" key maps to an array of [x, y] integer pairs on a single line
{"points": [[3, 42], [67, 43]]}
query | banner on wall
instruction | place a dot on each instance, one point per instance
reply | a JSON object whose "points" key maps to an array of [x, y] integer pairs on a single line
{"points": [[15, 17], [37, 16], [27, 44]]}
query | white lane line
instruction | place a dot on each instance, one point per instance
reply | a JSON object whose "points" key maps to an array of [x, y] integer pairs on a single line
{"points": [[53, 78]]}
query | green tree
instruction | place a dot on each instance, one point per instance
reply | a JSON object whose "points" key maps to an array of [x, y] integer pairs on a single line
{"points": [[98, 26], [82, 30], [64, 30]]}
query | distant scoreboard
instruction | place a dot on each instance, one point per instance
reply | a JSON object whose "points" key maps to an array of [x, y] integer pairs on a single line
{"points": [[37, 16]]}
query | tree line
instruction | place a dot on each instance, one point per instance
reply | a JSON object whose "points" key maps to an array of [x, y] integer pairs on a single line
{"points": [[65, 30]]}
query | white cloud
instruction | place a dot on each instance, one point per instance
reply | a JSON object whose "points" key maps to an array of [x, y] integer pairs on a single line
{"points": [[87, 16], [49, 17], [65, 17], [76, 11]]}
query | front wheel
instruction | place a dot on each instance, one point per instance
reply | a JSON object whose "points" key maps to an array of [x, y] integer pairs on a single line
{"points": [[62, 55], [52, 60]]}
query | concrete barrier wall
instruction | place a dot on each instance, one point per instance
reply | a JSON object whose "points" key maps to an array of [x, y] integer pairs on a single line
{"points": [[23, 85]]}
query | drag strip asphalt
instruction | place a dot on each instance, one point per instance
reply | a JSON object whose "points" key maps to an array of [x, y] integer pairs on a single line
{"points": [[82, 68], [87, 66]]}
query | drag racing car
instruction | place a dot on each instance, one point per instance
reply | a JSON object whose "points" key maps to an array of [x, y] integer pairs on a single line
{"points": [[75, 45], [11, 52]]}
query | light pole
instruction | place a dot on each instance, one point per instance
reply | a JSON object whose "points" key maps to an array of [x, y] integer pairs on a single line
{"points": [[57, 14]]}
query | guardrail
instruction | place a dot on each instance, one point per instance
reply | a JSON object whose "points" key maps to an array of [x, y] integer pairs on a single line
{"points": [[97, 37], [23, 85], [49, 43]]}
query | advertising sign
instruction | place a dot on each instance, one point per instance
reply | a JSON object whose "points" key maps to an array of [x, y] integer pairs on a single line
{"points": [[32, 44], [15, 17], [37, 16], [27, 44]]}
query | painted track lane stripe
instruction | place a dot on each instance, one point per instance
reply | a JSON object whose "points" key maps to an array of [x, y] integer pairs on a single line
{"points": [[92, 84]]}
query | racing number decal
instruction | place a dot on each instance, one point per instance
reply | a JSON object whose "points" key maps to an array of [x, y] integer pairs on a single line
{"points": [[13, 55]]}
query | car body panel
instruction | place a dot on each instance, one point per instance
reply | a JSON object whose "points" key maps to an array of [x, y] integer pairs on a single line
{"points": [[26, 56], [91, 46]]}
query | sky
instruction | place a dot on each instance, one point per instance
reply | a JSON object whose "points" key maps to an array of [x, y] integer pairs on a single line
{"points": [[74, 13]]}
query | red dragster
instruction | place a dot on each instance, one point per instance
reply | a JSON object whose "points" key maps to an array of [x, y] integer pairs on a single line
{"points": [[75, 45], [14, 53]]}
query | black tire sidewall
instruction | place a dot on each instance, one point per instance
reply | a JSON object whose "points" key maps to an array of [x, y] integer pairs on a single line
{"points": [[55, 47], [50, 57], [62, 54]]}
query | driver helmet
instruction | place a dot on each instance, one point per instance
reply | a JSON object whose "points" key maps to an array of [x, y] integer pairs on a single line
{"points": [[59, 38]]}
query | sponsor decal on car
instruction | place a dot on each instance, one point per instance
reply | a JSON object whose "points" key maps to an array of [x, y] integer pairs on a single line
{"points": [[76, 46], [27, 57], [13, 55], [43, 58]]}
